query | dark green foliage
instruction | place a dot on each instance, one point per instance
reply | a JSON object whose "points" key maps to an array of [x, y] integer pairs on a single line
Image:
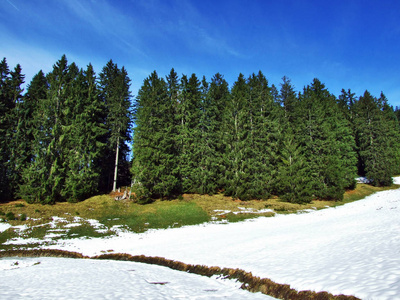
{"points": [[237, 131], [24, 134], [10, 216], [6, 107], [23, 217], [84, 136], [287, 98], [114, 86], [252, 135], [249, 142], [44, 180], [215, 98], [10, 149], [66, 138], [68, 130], [266, 123], [377, 136], [154, 150], [294, 184], [190, 133], [327, 143]]}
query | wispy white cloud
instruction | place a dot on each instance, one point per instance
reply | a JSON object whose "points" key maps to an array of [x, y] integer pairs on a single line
{"points": [[108, 21], [31, 58], [13, 5], [180, 25], [201, 33]]}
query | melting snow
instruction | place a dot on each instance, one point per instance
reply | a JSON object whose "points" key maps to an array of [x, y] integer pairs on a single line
{"points": [[352, 249]]}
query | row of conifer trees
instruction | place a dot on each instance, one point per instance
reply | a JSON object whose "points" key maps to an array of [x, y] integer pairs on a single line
{"points": [[60, 139], [66, 137], [253, 140]]}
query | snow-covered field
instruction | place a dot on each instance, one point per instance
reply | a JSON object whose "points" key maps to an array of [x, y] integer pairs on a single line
{"points": [[353, 249], [67, 278]]}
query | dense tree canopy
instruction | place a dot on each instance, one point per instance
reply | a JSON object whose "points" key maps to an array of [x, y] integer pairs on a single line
{"points": [[67, 137], [56, 136]]}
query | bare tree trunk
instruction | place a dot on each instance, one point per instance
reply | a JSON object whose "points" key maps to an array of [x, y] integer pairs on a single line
{"points": [[116, 167]]}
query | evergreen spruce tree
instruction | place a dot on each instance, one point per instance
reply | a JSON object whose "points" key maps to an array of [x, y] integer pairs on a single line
{"points": [[114, 91], [203, 147], [84, 135], [294, 184], [214, 104], [377, 137], [293, 179], [346, 102], [287, 98], [28, 120], [189, 138], [169, 151], [266, 136], [393, 130], [35, 172], [145, 139], [155, 161], [44, 181], [327, 140], [18, 142], [7, 111], [236, 139]]}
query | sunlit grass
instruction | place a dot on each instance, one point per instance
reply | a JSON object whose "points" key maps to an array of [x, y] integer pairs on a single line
{"points": [[363, 190], [191, 209], [160, 214]]}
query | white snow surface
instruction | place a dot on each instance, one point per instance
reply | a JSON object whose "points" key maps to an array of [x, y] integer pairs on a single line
{"points": [[66, 278], [353, 249]]}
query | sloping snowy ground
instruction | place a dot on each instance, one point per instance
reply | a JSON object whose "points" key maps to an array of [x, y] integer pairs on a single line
{"points": [[353, 249]]}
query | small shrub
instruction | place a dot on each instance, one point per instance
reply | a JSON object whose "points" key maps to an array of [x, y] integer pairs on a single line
{"points": [[19, 205], [37, 211], [23, 217], [10, 216], [140, 194], [180, 197], [2, 213]]}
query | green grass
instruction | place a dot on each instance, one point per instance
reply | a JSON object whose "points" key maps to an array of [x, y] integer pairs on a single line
{"points": [[364, 190], [187, 210], [161, 214], [85, 230]]}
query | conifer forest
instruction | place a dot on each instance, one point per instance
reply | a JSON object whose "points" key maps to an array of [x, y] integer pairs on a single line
{"points": [[72, 133]]}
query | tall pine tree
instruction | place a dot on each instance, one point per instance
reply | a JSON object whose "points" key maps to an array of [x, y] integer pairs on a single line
{"points": [[44, 181], [84, 135], [155, 168], [10, 102], [114, 91], [236, 125], [189, 136], [377, 137], [327, 140], [213, 106]]}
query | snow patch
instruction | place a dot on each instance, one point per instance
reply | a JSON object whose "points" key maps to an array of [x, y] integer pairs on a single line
{"points": [[351, 249], [4, 226]]}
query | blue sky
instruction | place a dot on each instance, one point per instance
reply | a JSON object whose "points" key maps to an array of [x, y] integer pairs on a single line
{"points": [[344, 43]]}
